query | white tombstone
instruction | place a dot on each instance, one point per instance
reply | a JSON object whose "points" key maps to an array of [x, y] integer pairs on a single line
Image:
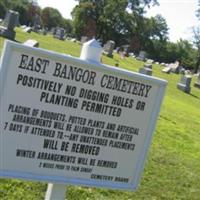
{"points": [[184, 83], [197, 84], [31, 43]]}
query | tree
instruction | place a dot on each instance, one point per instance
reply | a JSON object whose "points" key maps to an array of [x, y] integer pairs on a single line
{"points": [[21, 6], [2, 9], [111, 17], [51, 17], [68, 25], [196, 42]]}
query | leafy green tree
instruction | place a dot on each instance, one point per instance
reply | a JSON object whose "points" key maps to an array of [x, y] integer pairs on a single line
{"points": [[21, 6], [111, 17], [196, 42], [51, 17], [2, 9], [68, 25]]}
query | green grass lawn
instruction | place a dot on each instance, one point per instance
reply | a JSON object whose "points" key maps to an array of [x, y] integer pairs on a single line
{"points": [[172, 171]]}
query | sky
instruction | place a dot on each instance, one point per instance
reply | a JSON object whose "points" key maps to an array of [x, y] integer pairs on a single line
{"points": [[179, 14]]}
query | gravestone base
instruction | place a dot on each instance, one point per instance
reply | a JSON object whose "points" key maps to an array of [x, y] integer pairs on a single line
{"points": [[4, 32], [146, 71], [197, 85], [59, 37], [108, 54], [184, 88]]}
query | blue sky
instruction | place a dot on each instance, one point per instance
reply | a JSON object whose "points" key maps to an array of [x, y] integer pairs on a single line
{"points": [[179, 14]]}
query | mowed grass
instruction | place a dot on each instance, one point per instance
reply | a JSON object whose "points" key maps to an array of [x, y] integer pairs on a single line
{"points": [[172, 170]]}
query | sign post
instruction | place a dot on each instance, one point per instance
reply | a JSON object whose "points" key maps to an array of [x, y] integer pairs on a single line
{"points": [[66, 120], [91, 52], [55, 192]]}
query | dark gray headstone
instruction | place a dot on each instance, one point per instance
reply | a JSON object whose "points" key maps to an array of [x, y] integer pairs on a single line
{"points": [[36, 23], [142, 55], [184, 83], [125, 48], [182, 71], [109, 47], [59, 33], [146, 71], [11, 20], [197, 84]]}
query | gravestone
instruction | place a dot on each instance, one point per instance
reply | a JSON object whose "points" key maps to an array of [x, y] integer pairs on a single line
{"points": [[184, 83], [31, 43], [148, 65], [84, 39], [146, 71], [27, 29], [142, 55], [182, 71], [150, 61], [59, 33], [175, 67], [109, 47], [166, 70], [36, 23], [197, 84], [45, 31], [126, 49], [11, 20]]}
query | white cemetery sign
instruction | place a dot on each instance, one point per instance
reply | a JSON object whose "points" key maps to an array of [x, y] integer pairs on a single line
{"points": [[66, 120]]}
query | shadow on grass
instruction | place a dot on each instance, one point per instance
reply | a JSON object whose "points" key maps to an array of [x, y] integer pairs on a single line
{"points": [[194, 96]]}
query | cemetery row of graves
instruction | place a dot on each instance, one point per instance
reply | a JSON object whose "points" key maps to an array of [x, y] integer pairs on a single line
{"points": [[11, 20], [172, 169]]}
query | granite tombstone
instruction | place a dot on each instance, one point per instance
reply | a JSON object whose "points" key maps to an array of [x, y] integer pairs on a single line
{"points": [[11, 20]]}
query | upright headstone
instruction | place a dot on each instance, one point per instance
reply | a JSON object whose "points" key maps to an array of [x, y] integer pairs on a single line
{"points": [[197, 84], [142, 55], [59, 33], [109, 47], [148, 65], [182, 71], [126, 49], [184, 83], [36, 23], [146, 69], [44, 31], [175, 67], [11, 20]]}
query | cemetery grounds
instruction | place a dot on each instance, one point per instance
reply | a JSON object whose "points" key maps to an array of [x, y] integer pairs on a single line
{"points": [[172, 170]]}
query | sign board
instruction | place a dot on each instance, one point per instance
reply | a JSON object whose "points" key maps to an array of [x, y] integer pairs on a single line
{"points": [[65, 120]]}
